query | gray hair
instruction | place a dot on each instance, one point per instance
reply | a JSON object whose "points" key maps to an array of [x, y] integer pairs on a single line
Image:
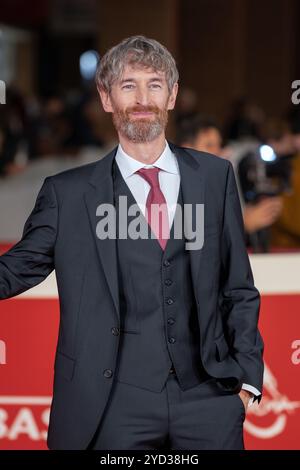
{"points": [[136, 51]]}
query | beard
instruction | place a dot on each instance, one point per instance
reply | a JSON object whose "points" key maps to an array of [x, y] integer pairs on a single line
{"points": [[143, 129]]}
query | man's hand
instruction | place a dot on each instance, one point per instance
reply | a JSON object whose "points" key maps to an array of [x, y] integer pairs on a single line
{"points": [[245, 397]]}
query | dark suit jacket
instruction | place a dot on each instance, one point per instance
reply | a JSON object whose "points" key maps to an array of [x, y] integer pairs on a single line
{"points": [[60, 234]]}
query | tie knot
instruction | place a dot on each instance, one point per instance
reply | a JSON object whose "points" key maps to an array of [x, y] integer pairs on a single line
{"points": [[150, 175]]}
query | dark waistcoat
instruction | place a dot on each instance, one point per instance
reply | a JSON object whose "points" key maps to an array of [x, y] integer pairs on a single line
{"points": [[159, 322]]}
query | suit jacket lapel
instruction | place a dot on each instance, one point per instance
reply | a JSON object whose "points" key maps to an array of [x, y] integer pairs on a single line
{"points": [[101, 192], [193, 190]]}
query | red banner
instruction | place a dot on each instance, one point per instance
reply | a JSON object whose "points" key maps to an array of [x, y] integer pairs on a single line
{"points": [[28, 336]]}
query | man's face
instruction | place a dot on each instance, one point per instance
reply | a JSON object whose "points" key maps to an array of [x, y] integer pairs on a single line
{"points": [[139, 102]]}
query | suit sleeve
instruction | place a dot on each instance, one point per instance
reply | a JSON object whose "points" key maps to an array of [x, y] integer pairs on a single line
{"points": [[31, 260], [240, 300]]}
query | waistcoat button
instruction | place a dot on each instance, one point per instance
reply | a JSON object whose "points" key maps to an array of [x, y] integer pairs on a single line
{"points": [[108, 373]]}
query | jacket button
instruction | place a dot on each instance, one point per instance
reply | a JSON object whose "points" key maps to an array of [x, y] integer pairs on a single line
{"points": [[108, 373], [172, 340], [169, 301], [168, 282], [115, 331], [166, 262], [171, 321]]}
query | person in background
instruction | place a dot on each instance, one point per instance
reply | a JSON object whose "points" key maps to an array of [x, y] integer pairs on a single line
{"points": [[286, 231], [203, 133]]}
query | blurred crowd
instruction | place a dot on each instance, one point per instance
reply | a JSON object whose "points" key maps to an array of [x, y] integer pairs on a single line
{"points": [[59, 126], [39, 137], [265, 153]]}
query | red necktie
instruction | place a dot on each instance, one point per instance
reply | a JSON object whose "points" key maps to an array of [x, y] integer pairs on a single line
{"points": [[157, 217]]}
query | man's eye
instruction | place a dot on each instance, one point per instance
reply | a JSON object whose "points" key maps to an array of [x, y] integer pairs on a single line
{"points": [[127, 87], [155, 85]]}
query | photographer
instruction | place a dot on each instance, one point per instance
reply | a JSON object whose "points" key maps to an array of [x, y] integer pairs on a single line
{"points": [[202, 133]]}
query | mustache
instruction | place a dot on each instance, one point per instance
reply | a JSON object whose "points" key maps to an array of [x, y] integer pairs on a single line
{"points": [[143, 109]]}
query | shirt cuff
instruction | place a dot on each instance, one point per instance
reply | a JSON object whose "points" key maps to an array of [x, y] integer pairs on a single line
{"points": [[253, 390]]}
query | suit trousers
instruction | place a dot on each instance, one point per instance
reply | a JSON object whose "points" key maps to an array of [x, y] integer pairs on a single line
{"points": [[201, 418]]}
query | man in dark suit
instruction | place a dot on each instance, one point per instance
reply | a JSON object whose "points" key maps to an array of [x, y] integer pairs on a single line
{"points": [[158, 343]]}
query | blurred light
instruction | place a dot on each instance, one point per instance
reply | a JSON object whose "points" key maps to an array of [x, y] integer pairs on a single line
{"points": [[88, 64], [267, 154]]}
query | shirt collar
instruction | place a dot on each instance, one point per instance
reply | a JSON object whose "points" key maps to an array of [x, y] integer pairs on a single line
{"points": [[128, 165]]}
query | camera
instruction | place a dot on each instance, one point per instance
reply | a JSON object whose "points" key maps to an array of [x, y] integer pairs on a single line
{"points": [[263, 173]]}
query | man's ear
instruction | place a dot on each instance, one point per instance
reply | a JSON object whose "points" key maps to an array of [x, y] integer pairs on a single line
{"points": [[172, 97], [105, 100]]}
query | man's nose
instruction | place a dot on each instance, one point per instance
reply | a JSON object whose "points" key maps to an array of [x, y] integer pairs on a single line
{"points": [[142, 97]]}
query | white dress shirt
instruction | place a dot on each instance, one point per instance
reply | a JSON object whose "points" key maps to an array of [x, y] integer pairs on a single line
{"points": [[169, 181], [169, 178]]}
